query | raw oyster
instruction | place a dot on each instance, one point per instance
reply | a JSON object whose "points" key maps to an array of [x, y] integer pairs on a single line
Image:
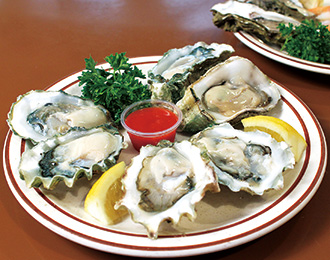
{"points": [[39, 114], [67, 157], [164, 182], [250, 161], [227, 92], [286, 7], [235, 16], [178, 68]]}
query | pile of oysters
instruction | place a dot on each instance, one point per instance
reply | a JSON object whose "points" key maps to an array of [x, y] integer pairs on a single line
{"points": [[214, 90], [66, 135], [260, 17], [71, 137]]}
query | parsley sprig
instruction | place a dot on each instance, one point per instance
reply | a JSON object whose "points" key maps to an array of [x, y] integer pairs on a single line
{"points": [[114, 89], [309, 41]]}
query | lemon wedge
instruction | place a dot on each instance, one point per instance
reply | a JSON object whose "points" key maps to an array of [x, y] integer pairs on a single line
{"points": [[104, 194], [279, 130], [311, 3]]}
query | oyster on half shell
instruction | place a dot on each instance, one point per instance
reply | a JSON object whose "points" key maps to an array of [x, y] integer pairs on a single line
{"points": [[38, 114], [235, 16], [286, 7], [178, 68], [67, 157], [250, 161], [227, 92], [164, 182]]}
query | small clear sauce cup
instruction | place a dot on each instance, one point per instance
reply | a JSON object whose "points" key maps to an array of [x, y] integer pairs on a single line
{"points": [[141, 138]]}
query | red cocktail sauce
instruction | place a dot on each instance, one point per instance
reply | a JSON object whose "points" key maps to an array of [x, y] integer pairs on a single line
{"points": [[149, 121]]}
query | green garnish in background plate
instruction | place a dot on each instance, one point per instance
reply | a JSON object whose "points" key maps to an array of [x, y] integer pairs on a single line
{"points": [[114, 89], [309, 41]]}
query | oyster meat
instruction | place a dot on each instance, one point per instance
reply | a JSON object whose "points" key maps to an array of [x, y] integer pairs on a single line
{"points": [[178, 68], [250, 161], [67, 157], [39, 114], [237, 15], [227, 92], [164, 182]]}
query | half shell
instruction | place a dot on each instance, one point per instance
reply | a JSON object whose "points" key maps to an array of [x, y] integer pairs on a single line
{"points": [[38, 115], [291, 8], [250, 161], [178, 68], [227, 92], [79, 152], [235, 16], [179, 178]]}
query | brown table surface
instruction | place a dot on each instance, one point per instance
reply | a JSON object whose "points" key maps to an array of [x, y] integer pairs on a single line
{"points": [[44, 41]]}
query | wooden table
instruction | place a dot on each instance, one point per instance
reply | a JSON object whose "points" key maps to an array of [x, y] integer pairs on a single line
{"points": [[44, 41]]}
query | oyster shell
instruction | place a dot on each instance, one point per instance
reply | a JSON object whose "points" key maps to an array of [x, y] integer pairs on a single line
{"points": [[38, 115], [178, 180], [286, 7], [227, 92], [178, 68], [250, 161], [70, 156], [235, 16]]}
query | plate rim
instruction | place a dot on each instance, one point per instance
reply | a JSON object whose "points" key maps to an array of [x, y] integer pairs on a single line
{"points": [[159, 251], [266, 50]]}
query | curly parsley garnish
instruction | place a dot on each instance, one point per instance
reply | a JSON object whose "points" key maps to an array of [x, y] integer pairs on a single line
{"points": [[309, 41], [114, 89]]}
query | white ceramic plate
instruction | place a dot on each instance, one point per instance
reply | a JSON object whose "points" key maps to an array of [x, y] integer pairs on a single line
{"points": [[280, 56], [224, 219]]}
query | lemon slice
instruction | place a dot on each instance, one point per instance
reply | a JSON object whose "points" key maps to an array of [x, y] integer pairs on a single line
{"points": [[279, 130], [311, 3], [104, 194]]}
